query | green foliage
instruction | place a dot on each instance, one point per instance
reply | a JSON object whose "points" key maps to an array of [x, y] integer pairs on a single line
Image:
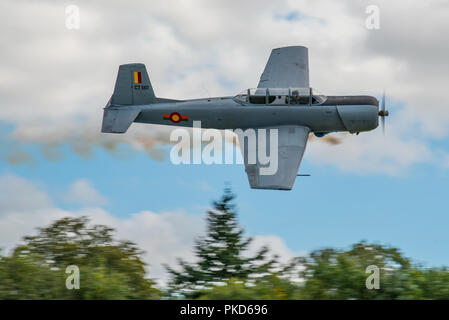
{"points": [[334, 274], [109, 269], [24, 278], [219, 253], [339, 274], [270, 287], [430, 283]]}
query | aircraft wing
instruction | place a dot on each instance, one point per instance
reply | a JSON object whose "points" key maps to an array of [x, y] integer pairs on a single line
{"points": [[292, 142], [287, 67]]}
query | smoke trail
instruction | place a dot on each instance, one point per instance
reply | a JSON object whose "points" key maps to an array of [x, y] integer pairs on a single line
{"points": [[18, 157], [84, 139], [329, 139]]}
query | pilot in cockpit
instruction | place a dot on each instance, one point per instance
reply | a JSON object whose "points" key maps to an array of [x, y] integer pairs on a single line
{"points": [[295, 97]]}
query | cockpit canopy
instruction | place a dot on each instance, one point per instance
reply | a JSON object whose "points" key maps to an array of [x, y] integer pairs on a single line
{"points": [[281, 96]]}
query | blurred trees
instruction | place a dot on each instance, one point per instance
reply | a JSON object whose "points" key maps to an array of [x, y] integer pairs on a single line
{"points": [[337, 274], [341, 274], [223, 269], [269, 287], [109, 269]]}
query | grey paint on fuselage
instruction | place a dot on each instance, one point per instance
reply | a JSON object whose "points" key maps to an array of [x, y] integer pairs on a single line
{"points": [[227, 113]]}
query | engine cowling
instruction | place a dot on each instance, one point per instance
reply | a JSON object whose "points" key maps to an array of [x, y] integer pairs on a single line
{"points": [[358, 118]]}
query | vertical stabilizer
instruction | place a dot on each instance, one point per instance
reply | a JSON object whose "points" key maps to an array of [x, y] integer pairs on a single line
{"points": [[133, 86]]}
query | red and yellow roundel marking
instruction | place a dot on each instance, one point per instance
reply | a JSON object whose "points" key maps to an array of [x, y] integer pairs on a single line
{"points": [[175, 117]]}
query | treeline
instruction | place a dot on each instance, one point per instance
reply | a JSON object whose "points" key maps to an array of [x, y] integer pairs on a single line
{"points": [[112, 269]]}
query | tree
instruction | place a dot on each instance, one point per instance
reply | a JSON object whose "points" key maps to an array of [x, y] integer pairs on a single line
{"points": [[427, 283], [269, 287], [220, 254], [336, 274], [341, 274], [109, 269]]}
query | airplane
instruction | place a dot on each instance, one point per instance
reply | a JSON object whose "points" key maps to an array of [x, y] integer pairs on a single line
{"points": [[282, 100]]}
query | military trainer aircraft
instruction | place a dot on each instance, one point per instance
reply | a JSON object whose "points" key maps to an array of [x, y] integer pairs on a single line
{"points": [[282, 100]]}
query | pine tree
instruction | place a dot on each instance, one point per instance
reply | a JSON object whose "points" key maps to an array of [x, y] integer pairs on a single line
{"points": [[220, 254]]}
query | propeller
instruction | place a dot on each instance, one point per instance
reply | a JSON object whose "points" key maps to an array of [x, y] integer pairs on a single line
{"points": [[383, 113]]}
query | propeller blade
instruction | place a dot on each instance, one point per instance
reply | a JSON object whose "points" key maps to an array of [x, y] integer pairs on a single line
{"points": [[382, 118]]}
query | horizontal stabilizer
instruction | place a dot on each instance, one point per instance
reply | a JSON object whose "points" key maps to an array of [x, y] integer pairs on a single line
{"points": [[118, 120]]}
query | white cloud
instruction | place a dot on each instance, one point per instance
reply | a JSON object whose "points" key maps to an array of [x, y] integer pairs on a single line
{"points": [[372, 153], [276, 244], [164, 236], [19, 194], [82, 192], [23, 206]]}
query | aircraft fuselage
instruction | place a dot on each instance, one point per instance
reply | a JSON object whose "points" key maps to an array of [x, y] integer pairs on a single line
{"points": [[227, 113]]}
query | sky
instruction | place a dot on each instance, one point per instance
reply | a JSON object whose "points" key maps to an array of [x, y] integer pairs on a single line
{"points": [[55, 80]]}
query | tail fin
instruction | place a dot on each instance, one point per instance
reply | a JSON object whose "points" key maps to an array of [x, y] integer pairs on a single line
{"points": [[133, 86]]}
